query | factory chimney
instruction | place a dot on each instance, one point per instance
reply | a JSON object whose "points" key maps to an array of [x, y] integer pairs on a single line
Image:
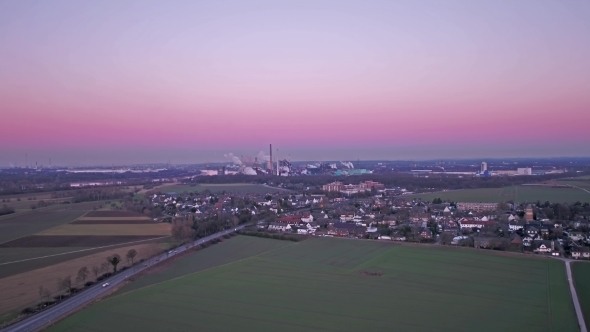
{"points": [[269, 166], [278, 170]]}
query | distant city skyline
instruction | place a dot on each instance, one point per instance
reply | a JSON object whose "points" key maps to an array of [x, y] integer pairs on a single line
{"points": [[89, 83], [109, 157]]}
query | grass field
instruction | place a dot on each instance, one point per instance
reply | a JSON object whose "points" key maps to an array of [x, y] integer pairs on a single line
{"points": [[514, 193], [236, 188], [229, 251], [581, 274], [347, 285]]}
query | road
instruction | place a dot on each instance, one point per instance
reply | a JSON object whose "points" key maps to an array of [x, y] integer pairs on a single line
{"points": [[53, 314], [570, 279]]}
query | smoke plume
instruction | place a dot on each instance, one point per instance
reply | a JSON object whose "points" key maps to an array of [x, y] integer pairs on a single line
{"points": [[233, 158], [262, 157]]}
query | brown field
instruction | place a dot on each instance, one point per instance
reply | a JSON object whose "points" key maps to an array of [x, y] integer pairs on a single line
{"points": [[102, 221], [113, 214], [99, 229], [22, 290], [55, 241]]}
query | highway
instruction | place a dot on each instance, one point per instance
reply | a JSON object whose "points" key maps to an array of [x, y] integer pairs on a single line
{"points": [[45, 317]]}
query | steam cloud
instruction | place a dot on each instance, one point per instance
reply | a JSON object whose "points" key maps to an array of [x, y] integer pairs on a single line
{"points": [[347, 164], [233, 158], [262, 157]]}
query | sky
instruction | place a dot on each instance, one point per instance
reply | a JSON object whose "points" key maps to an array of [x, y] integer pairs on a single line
{"points": [[98, 82]]}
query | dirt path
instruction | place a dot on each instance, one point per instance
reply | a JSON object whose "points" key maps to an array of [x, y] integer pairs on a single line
{"points": [[577, 306]]}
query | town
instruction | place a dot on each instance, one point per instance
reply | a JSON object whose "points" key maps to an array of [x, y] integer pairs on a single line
{"points": [[542, 228]]}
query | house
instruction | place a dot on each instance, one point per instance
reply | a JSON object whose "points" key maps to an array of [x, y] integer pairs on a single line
{"points": [[280, 227], [307, 218], [577, 236], [471, 223], [426, 234], [543, 247], [346, 217], [447, 211], [346, 229], [581, 253], [531, 230], [514, 226]]}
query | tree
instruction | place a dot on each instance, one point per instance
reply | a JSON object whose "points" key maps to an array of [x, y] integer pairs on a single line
{"points": [[131, 255], [104, 266], [96, 271], [82, 274], [114, 260], [43, 293], [64, 284], [446, 238]]}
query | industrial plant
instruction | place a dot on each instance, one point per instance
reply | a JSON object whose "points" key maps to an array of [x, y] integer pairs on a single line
{"points": [[272, 164]]}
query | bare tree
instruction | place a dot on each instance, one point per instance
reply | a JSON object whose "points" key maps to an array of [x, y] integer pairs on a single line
{"points": [[43, 293], [64, 284], [104, 267], [96, 271], [131, 255], [82, 274]]}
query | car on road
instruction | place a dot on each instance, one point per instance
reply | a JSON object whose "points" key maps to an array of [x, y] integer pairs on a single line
{"points": [[105, 284]]}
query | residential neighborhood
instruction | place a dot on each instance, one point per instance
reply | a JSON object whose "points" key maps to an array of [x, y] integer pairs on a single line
{"points": [[373, 214]]}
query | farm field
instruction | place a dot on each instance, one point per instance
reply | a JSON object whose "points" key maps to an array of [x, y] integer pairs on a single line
{"points": [[19, 260], [581, 274], [109, 229], [21, 290], [328, 284], [29, 223], [25, 248], [228, 251], [237, 188], [514, 193]]}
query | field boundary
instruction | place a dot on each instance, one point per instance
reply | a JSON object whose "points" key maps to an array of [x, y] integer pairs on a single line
{"points": [[82, 250]]}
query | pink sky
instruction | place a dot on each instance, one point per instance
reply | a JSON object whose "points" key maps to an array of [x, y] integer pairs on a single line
{"points": [[189, 80]]}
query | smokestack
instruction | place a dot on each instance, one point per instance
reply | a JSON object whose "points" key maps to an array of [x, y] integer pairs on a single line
{"points": [[270, 168], [278, 170]]}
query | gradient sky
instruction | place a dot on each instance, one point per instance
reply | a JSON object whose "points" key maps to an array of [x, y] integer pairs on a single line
{"points": [[100, 82]]}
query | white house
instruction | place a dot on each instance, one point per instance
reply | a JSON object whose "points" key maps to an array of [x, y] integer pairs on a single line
{"points": [[308, 218], [279, 227], [515, 227]]}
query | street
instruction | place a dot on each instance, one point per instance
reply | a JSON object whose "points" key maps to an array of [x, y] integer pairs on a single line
{"points": [[57, 311]]}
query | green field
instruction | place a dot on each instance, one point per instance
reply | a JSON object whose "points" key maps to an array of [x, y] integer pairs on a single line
{"points": [[226, 252], [581, 274], [346, 285], [236, 188], [514, 193]]}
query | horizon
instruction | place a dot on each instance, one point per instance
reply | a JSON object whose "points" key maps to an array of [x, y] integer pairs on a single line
{"points": [[477, 160], [87, 83]]}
